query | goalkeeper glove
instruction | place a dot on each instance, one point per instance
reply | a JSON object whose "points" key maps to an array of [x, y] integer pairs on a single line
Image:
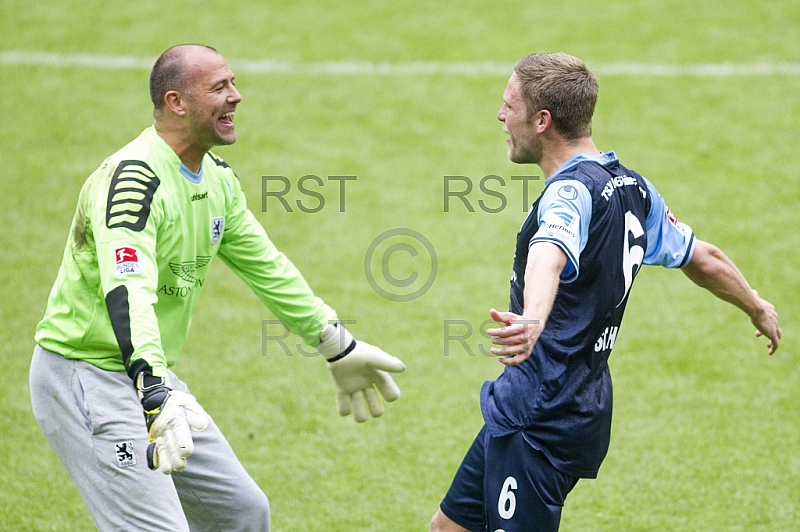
{"points": [[169, 415], [359, 371]]}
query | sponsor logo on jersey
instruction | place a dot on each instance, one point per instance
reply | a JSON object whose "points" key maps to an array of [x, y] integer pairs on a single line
{"points": [[186, 269], [568, 192], [196, 197], [566, 217], [125, 453], [179, 291], [561, 222], [615, 183], [127, 261], [217, 227]]}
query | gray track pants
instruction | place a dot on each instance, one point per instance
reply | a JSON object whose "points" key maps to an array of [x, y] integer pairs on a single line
{"points": [[94, 422]]}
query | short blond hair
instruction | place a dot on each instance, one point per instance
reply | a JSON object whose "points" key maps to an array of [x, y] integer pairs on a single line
{"points": [[563, 85]]}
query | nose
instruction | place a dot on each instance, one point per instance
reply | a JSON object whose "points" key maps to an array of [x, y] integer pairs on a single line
{"points": [[501, 114], [235, 96]]}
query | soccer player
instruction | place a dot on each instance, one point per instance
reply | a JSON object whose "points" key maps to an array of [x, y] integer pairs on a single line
{"points": [[548, 416], [149, 221]]}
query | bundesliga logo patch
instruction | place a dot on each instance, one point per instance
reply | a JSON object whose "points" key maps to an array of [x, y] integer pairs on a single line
{"points": [[127, 261], [126, 455], [672, 219]]}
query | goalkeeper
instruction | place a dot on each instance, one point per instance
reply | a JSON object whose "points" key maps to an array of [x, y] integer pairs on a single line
{"points": [[148, 223]]}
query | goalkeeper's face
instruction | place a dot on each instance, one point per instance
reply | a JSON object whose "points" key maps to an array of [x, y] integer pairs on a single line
{"points": [[212, 101]]}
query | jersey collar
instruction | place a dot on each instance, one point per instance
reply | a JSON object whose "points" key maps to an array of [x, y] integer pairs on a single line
{"points": [[603, 159], [191, 176]]}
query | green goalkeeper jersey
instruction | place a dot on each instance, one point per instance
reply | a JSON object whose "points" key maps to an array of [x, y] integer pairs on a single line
{"points": [[143, 237]]}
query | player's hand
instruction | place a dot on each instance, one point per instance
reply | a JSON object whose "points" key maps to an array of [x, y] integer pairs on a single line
{"points": [[359, 371], [766, 323], [170, 416], [516, 338]]}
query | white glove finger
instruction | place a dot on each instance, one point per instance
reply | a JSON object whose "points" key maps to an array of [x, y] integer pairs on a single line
{"points": [[386, 385], [197, 421], [374, 403], [173, 452], [359, 406], [182, 438], [161, 457], [343, 403], [195, 416], [380, 359]]}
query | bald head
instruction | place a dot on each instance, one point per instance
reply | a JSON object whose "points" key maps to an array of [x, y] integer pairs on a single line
{"points": [[172, 71]]}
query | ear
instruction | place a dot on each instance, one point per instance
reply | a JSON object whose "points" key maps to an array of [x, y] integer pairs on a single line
{"points": [[175, 102], [542, 120]]}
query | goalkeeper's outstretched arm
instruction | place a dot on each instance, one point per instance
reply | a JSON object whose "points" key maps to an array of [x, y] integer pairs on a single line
{"points": [[360, 372]]}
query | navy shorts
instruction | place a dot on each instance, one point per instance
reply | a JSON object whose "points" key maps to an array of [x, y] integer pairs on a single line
{"points": [[504, 484]]}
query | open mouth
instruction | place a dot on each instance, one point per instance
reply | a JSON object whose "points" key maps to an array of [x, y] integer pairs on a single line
{"points": [[227, 119]]}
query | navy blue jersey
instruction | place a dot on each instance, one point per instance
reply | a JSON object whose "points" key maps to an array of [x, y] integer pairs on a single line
{"points": [[609, 221]]}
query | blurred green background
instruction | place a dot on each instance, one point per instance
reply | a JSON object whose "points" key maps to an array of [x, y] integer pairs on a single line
{"points": [[706, 427]]}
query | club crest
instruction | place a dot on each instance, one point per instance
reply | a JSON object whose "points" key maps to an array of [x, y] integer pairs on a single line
{"points": [[217, 226], [125, 453]]}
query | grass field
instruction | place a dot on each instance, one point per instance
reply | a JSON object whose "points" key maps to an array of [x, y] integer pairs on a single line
{"points": [[706, 433]]}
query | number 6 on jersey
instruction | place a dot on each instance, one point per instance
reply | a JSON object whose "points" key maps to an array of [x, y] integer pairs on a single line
{"points": [[507, 502]]}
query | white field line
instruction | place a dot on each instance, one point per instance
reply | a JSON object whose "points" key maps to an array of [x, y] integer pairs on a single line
{"points": [[267, 66]]}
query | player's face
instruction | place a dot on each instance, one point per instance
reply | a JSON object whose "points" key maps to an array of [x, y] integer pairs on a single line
{"points": [[212, 101], [524, 145]]}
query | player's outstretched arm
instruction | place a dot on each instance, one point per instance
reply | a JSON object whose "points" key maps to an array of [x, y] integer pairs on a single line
{"points": [[360, 371], [714, 271]]}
